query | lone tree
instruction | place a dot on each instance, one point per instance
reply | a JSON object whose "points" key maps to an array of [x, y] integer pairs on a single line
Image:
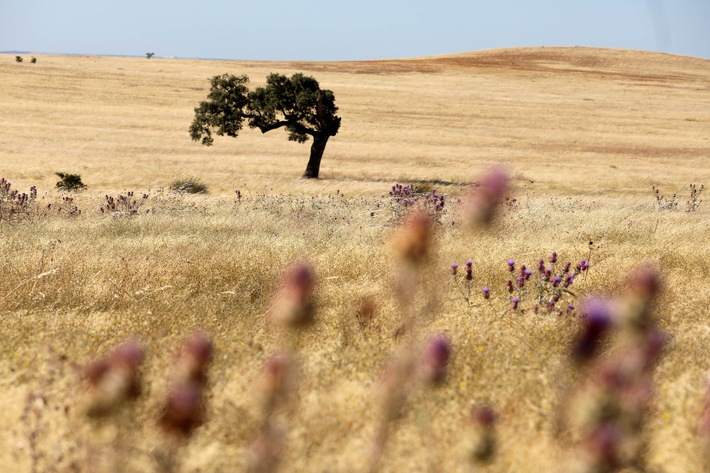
{"points": [[297, 103]]}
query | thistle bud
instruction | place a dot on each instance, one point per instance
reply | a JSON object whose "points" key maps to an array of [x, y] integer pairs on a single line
{"points": [[294, 302], [183, 410], [483, 202], [412, 241], [114, 380], [193, 359], [276, 382], [484, 443], [435, 359], [596, 319]]}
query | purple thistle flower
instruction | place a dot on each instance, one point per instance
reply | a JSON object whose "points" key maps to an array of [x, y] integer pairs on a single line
{"points": [[486, 292], [469, 270], [514, 302], [372, 213], [520, 281], [454, 268], [528, 273], [511, 265], [553, 257], [567, 267], [556, 281], [509, 286], [582, 266], [569, 280], [548, 274], [541, 266]]}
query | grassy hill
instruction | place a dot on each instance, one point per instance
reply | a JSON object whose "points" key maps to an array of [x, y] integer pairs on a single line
{"points": [[583, 133]]}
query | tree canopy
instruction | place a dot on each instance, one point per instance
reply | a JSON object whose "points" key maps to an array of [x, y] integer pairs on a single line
{"points": [[296, 103]]}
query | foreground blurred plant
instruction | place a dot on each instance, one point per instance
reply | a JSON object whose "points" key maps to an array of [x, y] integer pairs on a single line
{"points": [[617, 392], [482, 445], [482, 203], [293, 309], [114, 380], [184, 407], [275, 387], [416, 365]]}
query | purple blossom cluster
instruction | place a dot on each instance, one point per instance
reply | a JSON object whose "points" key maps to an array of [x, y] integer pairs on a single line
{"points": [[128, 204], [14, 203], [403, 198], [547, 288]]}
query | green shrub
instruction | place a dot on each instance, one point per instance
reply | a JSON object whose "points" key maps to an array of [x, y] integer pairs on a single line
{"points": [[188, 186], [69, 182]]}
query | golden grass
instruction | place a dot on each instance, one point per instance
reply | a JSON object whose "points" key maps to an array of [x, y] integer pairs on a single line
{"points": [[584, 133]]}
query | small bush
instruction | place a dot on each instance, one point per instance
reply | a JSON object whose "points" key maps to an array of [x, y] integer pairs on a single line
{"points": [[69, 182], [33, 60], [18, 58], [15, 205], [188, 186], [124, 205], [694, 200]]}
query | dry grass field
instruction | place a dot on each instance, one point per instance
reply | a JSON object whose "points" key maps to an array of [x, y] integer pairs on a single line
{"points": [[583, 133]]}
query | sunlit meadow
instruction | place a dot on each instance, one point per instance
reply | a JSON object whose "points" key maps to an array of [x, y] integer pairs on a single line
{"points": [[350, 323]]}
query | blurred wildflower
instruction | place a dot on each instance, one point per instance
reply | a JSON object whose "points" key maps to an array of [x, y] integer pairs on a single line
{"points": [[265, 452], [482, 204], [294, 304], [184, 408], [434, 360], [484, 443], [115, 379], [277, 381], [412, 241], [454, 268], [597, 319]]}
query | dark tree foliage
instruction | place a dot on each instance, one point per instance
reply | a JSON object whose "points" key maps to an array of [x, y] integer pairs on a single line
{"points": [[296, 103]]}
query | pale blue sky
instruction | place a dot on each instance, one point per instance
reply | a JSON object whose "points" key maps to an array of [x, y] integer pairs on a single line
{"points": [[347, 30]]}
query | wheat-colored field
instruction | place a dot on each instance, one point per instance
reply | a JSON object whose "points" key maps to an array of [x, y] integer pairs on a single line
{"points": [[583, 133]]}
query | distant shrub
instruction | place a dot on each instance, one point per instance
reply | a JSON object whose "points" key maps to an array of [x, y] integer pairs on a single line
{"points": [[188, 186], [124, 205], [672, 203], [33, 60], [694, 201], [15, 205], [69, 182], [149, 55], [18, 58], [404, 198]]}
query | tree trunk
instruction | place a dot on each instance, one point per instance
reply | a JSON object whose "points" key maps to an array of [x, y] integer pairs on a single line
{"points": [[317, 149]]}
